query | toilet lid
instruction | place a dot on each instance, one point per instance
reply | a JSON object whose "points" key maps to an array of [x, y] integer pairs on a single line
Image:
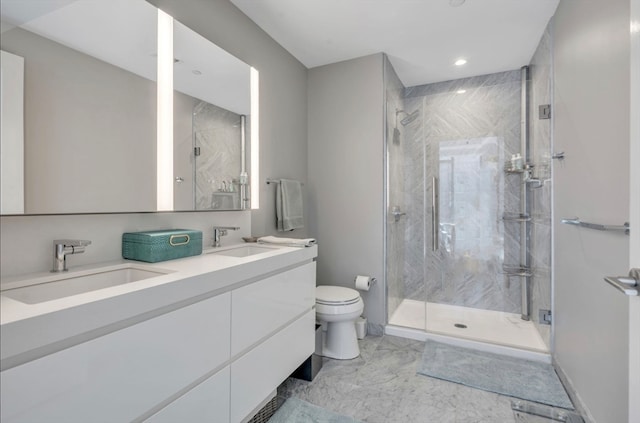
{"points": [[326, 294]]}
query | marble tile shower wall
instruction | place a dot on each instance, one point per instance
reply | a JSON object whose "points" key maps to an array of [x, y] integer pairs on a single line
{"points": [[395, 194], [466, 270], [540, 142], [217, 133]]}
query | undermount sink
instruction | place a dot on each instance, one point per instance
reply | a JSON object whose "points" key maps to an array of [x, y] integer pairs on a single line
{"points": [[68, 284], [244, 251]]}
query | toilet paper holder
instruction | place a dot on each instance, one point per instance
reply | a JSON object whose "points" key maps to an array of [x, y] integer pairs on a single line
{"points": [[363, 283]]}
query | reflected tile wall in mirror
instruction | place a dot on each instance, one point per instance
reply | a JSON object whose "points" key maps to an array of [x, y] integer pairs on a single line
{"points": [[216, 132]]}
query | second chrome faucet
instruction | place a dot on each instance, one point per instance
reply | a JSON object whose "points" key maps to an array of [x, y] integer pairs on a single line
{"points": [[220, 231]]}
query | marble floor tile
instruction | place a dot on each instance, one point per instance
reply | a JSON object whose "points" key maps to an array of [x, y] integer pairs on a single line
{"points": [[382, 386], [483, 406]]}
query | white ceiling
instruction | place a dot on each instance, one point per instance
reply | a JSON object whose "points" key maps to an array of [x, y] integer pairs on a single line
{"points": [[423, 38]]}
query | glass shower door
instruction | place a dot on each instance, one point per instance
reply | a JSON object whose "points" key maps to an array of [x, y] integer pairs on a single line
{"points": [[463, 268]]}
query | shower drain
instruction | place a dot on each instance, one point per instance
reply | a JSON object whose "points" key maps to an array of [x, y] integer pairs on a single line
{"points": [[460, 325]]}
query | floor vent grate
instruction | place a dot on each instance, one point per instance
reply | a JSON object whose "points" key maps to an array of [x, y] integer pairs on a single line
{"points": [[267, 411]]}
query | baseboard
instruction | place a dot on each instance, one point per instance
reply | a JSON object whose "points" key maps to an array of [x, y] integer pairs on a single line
{"points": [[575, 397], [375, 329]]}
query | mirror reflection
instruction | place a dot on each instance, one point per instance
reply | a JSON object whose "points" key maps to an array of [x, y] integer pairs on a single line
{"points": [[89, 132]]}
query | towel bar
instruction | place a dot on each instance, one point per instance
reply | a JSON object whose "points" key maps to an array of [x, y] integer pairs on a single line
{"points": [[277, 181], [599, 227]]}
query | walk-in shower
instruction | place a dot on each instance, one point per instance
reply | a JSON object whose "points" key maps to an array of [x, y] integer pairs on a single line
{"points": [[461, 224]]}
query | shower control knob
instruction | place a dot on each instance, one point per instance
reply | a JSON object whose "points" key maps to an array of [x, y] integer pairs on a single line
{"points": [[396, 213]]}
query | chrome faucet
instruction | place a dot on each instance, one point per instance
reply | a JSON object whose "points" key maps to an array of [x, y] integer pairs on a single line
{"points": [[219, 231], [62, 248]]}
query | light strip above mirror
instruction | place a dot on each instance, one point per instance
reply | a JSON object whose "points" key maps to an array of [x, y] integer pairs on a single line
{"points": [[164, 181]]}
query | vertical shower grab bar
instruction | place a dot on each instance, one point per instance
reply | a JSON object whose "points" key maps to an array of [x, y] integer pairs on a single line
{"points": [[525, 205], [435, 213]]}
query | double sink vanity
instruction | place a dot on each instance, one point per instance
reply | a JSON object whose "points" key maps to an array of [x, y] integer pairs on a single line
{"points": [[203, 338]]}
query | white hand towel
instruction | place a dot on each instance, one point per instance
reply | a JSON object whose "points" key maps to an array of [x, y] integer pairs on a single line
{"points": [[289, 205], [290, 242]]}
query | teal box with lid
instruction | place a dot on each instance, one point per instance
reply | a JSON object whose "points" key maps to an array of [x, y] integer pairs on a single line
{"points": [[166, 244]]}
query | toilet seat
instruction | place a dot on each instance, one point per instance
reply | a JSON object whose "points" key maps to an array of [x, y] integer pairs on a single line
{"points": [[336, 295]]}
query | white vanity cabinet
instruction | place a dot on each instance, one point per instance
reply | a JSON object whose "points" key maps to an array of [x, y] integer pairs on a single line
{"points": [[120, 376], [275, 316], [272, 333], [255, 375], [261, 308], [212, 357], [207, 402]]}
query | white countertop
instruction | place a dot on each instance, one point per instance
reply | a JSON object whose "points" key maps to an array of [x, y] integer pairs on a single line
{"points": [[29, 331]]}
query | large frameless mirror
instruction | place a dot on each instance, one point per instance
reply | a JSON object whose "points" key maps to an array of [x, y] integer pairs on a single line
{"points": [[80, 125]]}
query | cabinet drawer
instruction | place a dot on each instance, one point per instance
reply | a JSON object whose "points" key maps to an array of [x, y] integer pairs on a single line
{"points": [[264, 307], [122, 375], [256, 374], [207, 402]]}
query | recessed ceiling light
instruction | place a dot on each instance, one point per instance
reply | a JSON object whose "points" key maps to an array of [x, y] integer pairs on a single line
{"points": [[196, 72], [460, 62], [461, 91], [456, 3]]}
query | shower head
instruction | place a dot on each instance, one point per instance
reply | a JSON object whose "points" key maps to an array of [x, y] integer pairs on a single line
{"points": [[413, 116], [409, 118]]}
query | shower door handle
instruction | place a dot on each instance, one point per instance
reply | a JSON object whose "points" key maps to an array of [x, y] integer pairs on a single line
{"points": [[435, 213]]}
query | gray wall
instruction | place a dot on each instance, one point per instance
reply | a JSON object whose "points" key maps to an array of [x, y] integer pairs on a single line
{"points": [[346, 174], [591, 103], [26, 240]]}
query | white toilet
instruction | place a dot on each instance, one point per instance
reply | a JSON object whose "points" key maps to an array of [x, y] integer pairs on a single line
{"points": [[337, 308]]}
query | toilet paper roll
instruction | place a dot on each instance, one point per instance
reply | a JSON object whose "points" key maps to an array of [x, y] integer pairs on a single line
{"points": [[363, 283]]}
